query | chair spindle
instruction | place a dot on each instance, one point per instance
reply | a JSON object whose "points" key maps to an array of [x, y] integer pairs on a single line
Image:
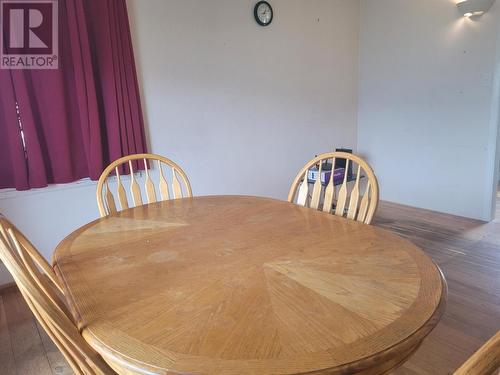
{"points": [[354, 198], [148, 185], [341, 202], [135, 190], [316, 195]]}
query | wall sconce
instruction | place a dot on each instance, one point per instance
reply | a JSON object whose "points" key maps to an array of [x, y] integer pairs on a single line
{"points": [[474, 8]]}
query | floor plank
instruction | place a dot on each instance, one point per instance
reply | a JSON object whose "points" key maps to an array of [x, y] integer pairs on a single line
{"points": [[7, 362], [468, 252], [55, 358], [29, 354]]}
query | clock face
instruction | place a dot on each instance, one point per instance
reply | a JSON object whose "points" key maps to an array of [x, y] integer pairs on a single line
{"points": [[263, 13]]}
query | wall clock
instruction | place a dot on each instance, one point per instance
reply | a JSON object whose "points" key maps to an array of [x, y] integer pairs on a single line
{"points": [[263, 13]]}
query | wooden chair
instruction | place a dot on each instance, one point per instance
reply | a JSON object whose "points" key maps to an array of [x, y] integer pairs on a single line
{"points": [[35, 258], [486, 361], [46, 304], [106, 201], [355, 196]]}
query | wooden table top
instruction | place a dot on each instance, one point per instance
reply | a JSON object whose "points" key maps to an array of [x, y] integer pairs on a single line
{"points": [[246, 285]]}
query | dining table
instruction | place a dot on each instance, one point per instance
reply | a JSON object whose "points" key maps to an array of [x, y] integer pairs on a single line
{"points": [[247, 285]]}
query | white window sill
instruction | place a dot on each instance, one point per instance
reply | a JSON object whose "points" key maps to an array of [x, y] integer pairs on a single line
{"points": [[13, 193], [84, 182]]}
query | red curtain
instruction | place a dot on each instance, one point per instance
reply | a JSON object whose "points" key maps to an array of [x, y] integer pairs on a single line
{"points": [[61, 125]]}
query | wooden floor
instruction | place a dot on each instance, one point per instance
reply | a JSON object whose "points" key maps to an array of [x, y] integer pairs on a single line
{"points": [[468, 252], [25, 348]]}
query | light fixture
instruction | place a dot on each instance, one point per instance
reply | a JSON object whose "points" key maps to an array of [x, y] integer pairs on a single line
{"points": [[474, 8]]}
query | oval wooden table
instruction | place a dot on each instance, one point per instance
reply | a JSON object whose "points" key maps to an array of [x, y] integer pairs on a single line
{"points": [[246, 285]]}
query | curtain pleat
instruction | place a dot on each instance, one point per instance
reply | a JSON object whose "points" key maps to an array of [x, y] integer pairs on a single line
{"points": [[13, 164]]}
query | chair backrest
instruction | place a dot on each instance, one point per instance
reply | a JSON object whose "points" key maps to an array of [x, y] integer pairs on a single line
{"points": [[340, 183], [35, 258], [47, 305], [486, 361], [105, 198]]}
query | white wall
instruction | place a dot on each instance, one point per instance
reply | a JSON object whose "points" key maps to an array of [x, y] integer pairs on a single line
{"points": [[425, 105], [495, 125], [239, 106], [495, 121]]}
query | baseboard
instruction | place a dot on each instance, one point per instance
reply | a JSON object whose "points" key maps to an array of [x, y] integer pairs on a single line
{"points": [[6, 288]]}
